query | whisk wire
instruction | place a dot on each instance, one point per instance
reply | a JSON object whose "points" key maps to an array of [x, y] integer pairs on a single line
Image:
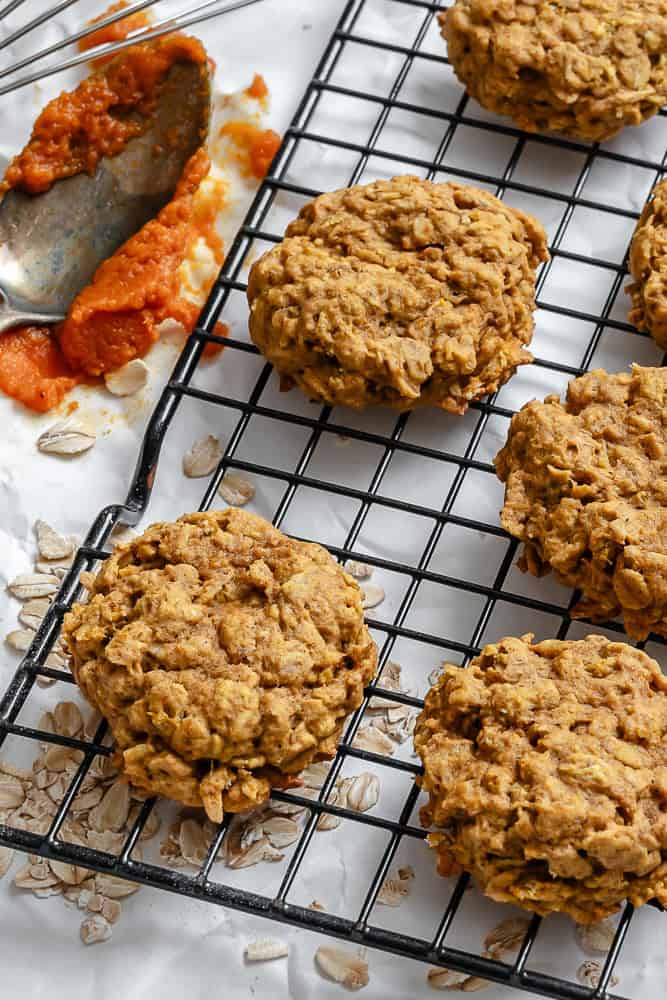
{"points": [[184, 19], [90, 29], [36, 22], [8, 8]]}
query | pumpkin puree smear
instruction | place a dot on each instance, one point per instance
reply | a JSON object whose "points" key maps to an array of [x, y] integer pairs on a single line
{"points": [[107, 109], [258, 88], [116, 318], [115, 32], [255, 147]]}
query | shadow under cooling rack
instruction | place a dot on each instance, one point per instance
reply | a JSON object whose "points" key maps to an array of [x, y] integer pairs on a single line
{"points": [[384, 100]]}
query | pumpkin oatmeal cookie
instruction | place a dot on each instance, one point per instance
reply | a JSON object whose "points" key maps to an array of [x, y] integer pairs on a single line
{"points": [[586, 492], [586, 69], [648, 267], [546, 770], [225, 656], [402, 293]]}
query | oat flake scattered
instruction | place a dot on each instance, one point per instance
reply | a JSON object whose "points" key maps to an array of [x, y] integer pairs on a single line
{"points": [[281, 831], [259, 850], [445, 979], [193, 842], [95, 929], [35, 876], [151, 826], [70, 874], [29, 585], [6, 858], [372, 739], [106, 841], [115, 888], [393, 892], [111, 910], [361, 793], [328, 821], [112, 811], [129, 379], [66, 438], [56, 662], [343, 967], [473, 983], [20, 639], [589, 973], [266, 949], [50, 544], [202, 458], [359, 570], [12, 794], [372, 596], [315, 774], [235, 490], [67, 719], [57, 567], [506, 938], [59, 758], [32, 613], [15, 772]]}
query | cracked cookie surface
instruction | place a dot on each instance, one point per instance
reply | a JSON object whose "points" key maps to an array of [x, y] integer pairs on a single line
{"points": [[401, 293], [546, 770], [225, 656], [586, 492], [584, 69]]}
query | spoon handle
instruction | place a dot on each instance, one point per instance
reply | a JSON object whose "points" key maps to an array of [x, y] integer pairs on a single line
{"points": [[10, 317]]}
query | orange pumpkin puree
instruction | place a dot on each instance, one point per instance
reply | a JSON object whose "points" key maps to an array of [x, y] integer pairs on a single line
{"points": [[258, 88], [256, 147], [32, 368], [107, 324], [115, 32], [78, 128], [114, 319]]}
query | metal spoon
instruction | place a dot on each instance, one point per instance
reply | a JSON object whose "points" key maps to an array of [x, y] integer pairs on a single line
{"points": [[52, 243]]}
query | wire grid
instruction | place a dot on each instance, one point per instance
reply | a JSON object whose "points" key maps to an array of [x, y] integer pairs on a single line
{"points": [[389, 441]]}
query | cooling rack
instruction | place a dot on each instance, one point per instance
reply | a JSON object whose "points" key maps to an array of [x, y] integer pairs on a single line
{"points": [[376, 107]]}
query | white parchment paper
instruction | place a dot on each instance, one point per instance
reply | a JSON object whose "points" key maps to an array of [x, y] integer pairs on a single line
{"points": [[174, 947]]}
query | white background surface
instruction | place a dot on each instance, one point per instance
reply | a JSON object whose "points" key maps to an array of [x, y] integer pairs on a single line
{"points": [[170, 946]]}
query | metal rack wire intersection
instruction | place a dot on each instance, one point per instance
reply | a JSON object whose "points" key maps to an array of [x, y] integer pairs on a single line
{"points": [[204, 885]]}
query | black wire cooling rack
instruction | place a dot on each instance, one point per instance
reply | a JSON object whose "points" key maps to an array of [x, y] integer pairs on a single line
{"points": [[352, 45]]}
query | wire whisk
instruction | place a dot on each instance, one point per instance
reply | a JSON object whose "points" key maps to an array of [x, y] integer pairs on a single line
{"points": [[176, 22]]}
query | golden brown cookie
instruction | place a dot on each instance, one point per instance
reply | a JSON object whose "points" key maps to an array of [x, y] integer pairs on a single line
{"points": [[403, 293], [586, 69], [224, 655], [546, 770], [586, 491], [648, 267]]}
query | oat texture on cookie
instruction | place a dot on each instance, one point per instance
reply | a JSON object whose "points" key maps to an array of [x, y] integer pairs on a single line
{"points": [[402, 293], [225, 656], [648, 267], [586, 492], [584, 69], [546, 771]]}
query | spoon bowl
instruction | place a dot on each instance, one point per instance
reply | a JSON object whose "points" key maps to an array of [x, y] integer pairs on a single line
{"points": [[51, 244]]}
